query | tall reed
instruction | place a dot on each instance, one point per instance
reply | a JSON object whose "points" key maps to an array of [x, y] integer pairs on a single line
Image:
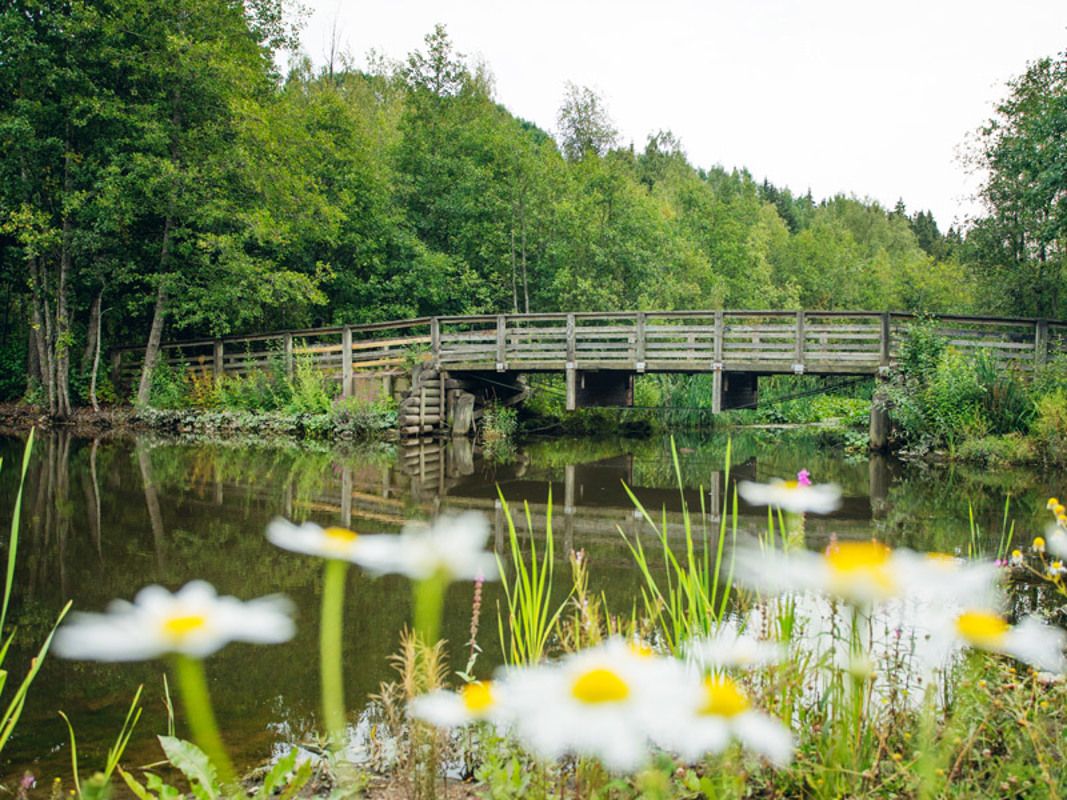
{"points": [[530, 615], [687, 604]]}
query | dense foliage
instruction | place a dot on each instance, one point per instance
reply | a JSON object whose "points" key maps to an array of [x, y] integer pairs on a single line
{"points": [[160, 178]]}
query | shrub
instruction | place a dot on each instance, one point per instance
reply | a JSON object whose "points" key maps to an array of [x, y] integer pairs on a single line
{"points": [[312, 391], [169, 386], [1011, 448], [361, 414], [1006, 405], [1049, 429]]}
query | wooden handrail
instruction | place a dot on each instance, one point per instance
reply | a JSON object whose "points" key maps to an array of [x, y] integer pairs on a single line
{"points": [[703, 340]]}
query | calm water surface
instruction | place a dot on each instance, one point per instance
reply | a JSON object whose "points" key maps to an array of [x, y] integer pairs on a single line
{"points": [[101, 519]]}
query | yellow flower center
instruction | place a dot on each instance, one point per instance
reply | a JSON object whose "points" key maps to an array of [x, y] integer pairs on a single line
{"points": [[177, 628], [790, 484], [852, 561], [338, 535], [477, 697], [982, 628], [1052, 503], [641, 649], [941, 559], [600, 686], [1039, 543], [722, 698]]}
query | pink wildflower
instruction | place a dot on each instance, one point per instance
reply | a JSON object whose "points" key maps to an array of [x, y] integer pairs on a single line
{"points": [[804, 478]]}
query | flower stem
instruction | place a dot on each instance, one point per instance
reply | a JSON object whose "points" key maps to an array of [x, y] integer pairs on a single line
{"points": [[429, 606], [330, 657], [196, 700]]}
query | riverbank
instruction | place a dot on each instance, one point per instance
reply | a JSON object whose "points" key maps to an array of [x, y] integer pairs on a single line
{"points": [[16, 418]]}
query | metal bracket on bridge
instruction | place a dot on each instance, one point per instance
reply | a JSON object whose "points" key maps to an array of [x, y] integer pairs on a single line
{"points": [[716, 366], [501, 366], [572, 365], [883, 372], [798, 369], [640, 366]]}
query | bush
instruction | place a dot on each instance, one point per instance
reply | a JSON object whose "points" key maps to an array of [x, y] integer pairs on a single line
{"points": [[312, 391], [1049, 428], [934, 404], [1006, 405], [1012, 448], [169, 386], [359, 414]]}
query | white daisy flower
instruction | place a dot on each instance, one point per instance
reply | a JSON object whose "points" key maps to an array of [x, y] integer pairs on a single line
{"points": [[1031, 641], [729, 648], [475, 702], [600, 702], [715, 711], [453, 547], [795, 497], [867, 572], [1057, 542], [314, 540], [193, 621]]}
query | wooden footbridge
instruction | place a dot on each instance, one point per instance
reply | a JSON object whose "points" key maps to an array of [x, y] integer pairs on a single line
{"points": [[443, 368]]}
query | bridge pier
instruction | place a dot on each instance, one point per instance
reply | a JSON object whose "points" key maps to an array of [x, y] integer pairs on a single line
{"points": [[879, 428]]}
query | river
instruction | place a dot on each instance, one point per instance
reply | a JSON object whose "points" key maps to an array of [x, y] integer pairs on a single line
{"points": [[103, 518]]}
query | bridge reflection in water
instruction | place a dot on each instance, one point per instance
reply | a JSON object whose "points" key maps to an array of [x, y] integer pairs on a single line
{"points": [[590, 504]]}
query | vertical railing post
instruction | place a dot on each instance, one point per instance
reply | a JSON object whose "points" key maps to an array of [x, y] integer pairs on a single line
{"points": [[884, 340], [639, 343], [798, 348], [217, 366], [572, 365], [435, 342], [501, 343], [346, 361], [1041, 343], [287, 348], [716, 365]]}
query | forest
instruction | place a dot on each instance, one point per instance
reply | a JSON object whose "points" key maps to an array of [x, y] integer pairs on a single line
{"points": [[162, 177]]}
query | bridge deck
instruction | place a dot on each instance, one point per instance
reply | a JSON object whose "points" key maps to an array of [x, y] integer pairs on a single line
{"points": [[763, 342]]}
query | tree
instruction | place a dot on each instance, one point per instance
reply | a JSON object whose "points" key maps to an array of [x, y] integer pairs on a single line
{"points": [[584, 125], [1019, 247]]}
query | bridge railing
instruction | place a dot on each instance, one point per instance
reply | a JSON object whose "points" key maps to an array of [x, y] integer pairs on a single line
{"points": [[683, 341]]}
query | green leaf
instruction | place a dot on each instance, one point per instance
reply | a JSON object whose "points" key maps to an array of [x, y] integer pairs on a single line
{"points": [[297, 782], [137, 788], [276, 776], [164, 790], [194, 764]]}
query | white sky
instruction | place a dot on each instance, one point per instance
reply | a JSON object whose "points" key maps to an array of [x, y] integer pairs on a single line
{"points": [[870, 99]]}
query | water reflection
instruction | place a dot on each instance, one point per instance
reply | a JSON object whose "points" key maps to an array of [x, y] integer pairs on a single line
{"points": [[102, 518]]}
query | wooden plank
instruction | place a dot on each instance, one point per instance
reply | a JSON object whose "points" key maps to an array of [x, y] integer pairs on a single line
{"points": [[368, 344]]}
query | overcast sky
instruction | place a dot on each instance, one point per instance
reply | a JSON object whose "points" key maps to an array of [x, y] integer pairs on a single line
{"points": [[870, 99]]}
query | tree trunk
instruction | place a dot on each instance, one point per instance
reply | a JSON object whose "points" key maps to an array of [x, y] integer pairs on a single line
{"points": [[62, 325], [34, 379], [514, 269], [155, 335], [91, 331], [41, 322], [522, 230], [95, 333]]}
